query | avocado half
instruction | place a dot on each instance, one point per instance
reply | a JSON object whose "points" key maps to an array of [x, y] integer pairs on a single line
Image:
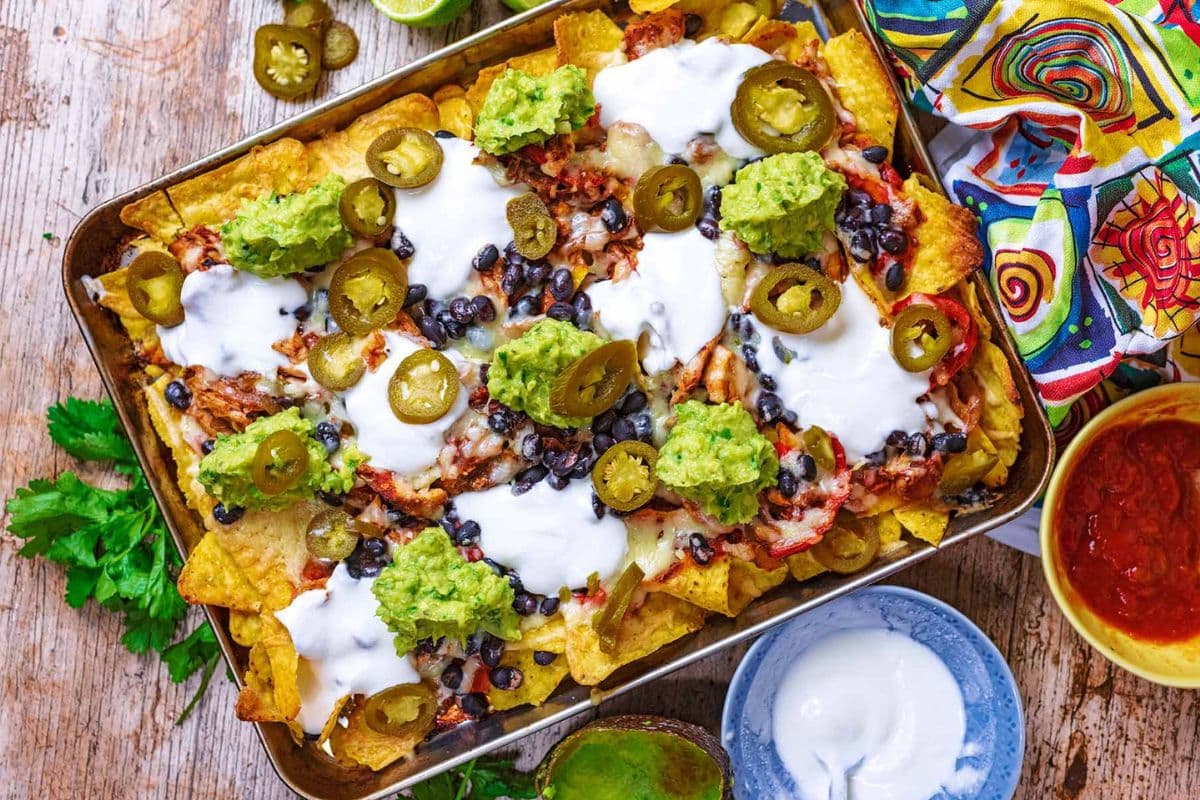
{"points": [[637, 757]]}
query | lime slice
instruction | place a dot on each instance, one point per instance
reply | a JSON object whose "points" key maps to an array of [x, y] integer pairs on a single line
{"points": [[422, 13], [522, 5]]}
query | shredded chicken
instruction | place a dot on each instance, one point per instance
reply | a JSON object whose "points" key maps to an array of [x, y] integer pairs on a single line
{"points": [[227, 405], [197, 249]]}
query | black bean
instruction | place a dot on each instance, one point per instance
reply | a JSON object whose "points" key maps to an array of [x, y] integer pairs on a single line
{"points": [[506, 678], [582, 319], [495, 566], [604, 422], [701, 550], [602, 441], [528, 477], [501, 421], [680, 160], [789, 417], [862, 245], [227, 516], [511, 255], [893, 279], [876, 154], [598, 508], [532, 446], [178, 395], [432, 330], [881, 214], [514, 580], [444, 316], [950, 442], [331, 498], [563, 312], [583, 468], [327, 434], [486, 258], [770, 407], [750, 356], [712, 201], [767, 382], [691, 24], [858, 197], [558, 482], [709, 228], [510, 279], [461, 310], [402, 247], [623, 430], [491, 650], [747, 329], [416, 293], [893, 241], [468, 533], [455, 330], [452, 675], [633, 402], [474, 705], [207, 446], [612, 214], [564, 463], [368, 559], [544, 658], [549, 605], [806, 467], [444, 134], [582, 302], [897, 439], [525, 604], [528, 306], [537, 273], [643, 425], [787, 483], [918, 445], [878, 458], [484, 308], [303, 312], [484, 369]]}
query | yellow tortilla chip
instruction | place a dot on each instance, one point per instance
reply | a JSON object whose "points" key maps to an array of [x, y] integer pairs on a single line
{"points": [[863, 86], [211, 577], [344, 152], [660, 620], [169, 424], [540, 62], [970, 466], [803, 566], [454, 112], [926, 521], [215, 197], [142, 332], [589, 40], [947, 248], [726, 585], [154, 215], [889, 530], [777, 36], [245, 628], [1002, 412], [268, 547], [550, 636], [256, 700], [537, 684], [650, 6], [357, 745], [285, 665], [737, 19], [970, 298]]}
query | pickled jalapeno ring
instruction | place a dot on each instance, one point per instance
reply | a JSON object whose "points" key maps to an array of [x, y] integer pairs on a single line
{"points": [[333, 534], [921, 335], [368, 207], [405, 710], [624, 476], [607, 621], [367, 291], [593, 384], [818, 445], [311, 14], [336, 362], [154, 282], [280, 462], [795, 298], [423, 387], [782, 108], [339, 48], [849, 546], [668, 197], [405, 157], [287, 60], [534, 230]]}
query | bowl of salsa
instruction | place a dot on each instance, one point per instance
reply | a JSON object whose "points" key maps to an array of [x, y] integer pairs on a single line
{"points": [[1121, 534]]}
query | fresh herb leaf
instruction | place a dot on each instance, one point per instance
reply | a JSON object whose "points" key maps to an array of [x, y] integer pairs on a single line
{"points": [[480, 779], [190, 653], [47, 235], [90, 431]]}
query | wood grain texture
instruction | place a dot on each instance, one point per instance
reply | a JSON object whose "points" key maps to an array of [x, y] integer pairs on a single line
{"points": [[97, 96]]}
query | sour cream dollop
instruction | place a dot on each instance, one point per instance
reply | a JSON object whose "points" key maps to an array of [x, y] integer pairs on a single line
{"points": [[344, 647], [230, 320], [876, 706], [551, 538], [679, 92]]}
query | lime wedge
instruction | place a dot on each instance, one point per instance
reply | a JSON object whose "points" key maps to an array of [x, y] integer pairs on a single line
{"points": [[422, 13], [522, 5]]}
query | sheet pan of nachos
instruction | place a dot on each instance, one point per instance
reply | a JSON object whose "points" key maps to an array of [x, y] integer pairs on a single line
{"points": [[514, 392]]}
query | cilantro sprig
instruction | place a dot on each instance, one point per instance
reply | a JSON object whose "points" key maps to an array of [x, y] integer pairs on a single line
{"points": [[479, 779], [112, 542]]}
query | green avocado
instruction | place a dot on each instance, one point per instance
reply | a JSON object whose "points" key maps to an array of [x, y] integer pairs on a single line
{"points": [[283, 234], [715, 456], [523, 370], [430, 591], [226, 471], [782, 204], [523, 109]]}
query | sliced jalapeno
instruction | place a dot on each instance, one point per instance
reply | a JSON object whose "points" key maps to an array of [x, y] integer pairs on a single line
{"points": [[423, 387], [607, 621], [287, 60], [592, 384], [368, 207], [333, 534], [405, 710], [668, 197], [280, 462], [311, 14], [339, 48], [534, 230], [624, 475], [795, 298], [921, 335], [367, 291], [336, 361], [154, 282], [782, 108], [851, 544], [818, 445], [405, 157]]}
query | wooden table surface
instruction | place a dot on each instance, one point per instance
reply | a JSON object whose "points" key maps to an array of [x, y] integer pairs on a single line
{"points": [[99, 96]]}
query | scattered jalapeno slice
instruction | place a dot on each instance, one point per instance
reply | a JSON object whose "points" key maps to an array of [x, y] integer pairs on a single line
{"points": [[851, 544], [607, 621], [818, 445], [333, 534], [287, 60], [336, 361], [280, 462], [405, 710], [668, 197], [921, 335], [795, 298], [368, 207], [311, 14], [405, 157], [367, 291], [534, 230], [782, 108], [592, 384], [423, 387], [339, 48], [624, 475], [154, 282]]}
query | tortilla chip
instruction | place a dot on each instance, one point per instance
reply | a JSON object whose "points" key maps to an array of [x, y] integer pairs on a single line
{"points": [[970, 298], [1002, 412], [748, 582], [168, 423], [268, 547], [947, 248], [344, 152], [650, 6], [777, 36], [539, 62], [215, 197], [550, 636], [660, 620], [926, 521], [538, 682], [863, 86], [256, 700], [726, 585], [285, 665], [737, 19], [357, 745], [245, 628], [454, 112], [973, 464], [211, 577], [142, 332], [889, 529], [803, 566], [154, 215], [589, 40]]}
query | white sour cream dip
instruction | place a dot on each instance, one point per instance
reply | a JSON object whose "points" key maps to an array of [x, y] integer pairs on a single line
{"points": [[344, 647], [452, 218], [551, 538], [401, 447], [674, 298], [230, 320], [679, 92], [843, 377], [872, 705]]}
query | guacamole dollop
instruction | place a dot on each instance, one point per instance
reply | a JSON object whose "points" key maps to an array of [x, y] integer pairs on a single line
{"points": [[715, 456], [523, 109], [283, 234], [430, 591], [782, 204], [523, 370], [226, 471]]}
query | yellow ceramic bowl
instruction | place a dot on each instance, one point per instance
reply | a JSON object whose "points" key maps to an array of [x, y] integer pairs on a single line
{"points": [[1175, 664]]}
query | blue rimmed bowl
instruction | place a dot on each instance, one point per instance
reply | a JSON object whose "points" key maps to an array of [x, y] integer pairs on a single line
{"points": [[995, 738]]}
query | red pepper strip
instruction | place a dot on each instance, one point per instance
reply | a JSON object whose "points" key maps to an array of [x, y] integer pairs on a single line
{"points": [[966, 334], [814, 512]]}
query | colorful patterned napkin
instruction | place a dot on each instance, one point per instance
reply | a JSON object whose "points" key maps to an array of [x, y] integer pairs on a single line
{"points": [[1078, 153]]}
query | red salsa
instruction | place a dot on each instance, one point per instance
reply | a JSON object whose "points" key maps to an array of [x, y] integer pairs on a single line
{"points": [[1129, 529]]}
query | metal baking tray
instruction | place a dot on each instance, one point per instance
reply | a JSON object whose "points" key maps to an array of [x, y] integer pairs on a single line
{"points": [[311, 773]]}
